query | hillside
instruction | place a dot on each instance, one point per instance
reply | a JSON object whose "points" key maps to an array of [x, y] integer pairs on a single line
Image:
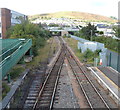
{"points": [[74, 15]]}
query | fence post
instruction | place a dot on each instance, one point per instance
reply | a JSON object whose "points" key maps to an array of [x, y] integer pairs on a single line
{"points": [[118, 63], [30, 52], [109, 59], [9, 79]]}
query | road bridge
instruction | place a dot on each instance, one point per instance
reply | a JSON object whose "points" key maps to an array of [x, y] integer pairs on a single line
{"points": [[63, 30]]}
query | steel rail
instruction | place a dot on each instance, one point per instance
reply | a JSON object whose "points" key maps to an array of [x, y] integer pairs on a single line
{"points": [[94, 87], [43, 86], [90, 83], [80, 84], [41, 91], [54, 91]]}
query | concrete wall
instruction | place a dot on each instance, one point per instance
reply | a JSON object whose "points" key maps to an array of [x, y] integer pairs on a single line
{"points": [[85, 44], [64, 33]]}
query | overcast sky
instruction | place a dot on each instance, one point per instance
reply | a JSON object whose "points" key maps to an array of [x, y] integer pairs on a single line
{"points": [[31, 7]]}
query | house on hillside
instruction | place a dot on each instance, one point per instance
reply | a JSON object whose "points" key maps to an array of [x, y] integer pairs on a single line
{"points": [[106, 29]]}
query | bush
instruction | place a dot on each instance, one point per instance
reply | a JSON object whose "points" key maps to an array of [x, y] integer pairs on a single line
{"points": [[110, 43], [88, 54], [28, 30], [15, 72], [5, 89], [96, 53]]}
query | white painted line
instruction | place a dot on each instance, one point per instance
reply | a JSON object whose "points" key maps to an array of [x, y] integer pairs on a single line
{"points": [[105, 84], [114, 70]]}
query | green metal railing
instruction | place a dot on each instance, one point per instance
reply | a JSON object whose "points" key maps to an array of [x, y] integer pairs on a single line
{"points": [[13, 58], [10, 50], [8, 43]]}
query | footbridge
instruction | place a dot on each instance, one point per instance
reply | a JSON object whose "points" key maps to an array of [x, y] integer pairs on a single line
{"points": [[11, 51]]}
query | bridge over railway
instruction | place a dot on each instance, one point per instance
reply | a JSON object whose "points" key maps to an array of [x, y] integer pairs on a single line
{"points": [[11, 52], [62, 30]]}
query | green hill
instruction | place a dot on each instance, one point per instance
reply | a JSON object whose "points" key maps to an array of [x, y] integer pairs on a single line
{"points": [[74, 15]]}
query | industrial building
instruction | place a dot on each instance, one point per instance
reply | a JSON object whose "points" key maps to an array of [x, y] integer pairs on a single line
{"points": [[8, 18]]}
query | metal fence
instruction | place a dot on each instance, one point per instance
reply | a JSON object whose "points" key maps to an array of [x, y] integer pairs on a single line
{"points": [[110, 58], [113, 60], [86, 44]]}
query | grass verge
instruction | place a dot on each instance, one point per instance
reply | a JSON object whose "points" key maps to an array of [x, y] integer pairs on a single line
{"points": [[44, 53], [16, 71], [81, 56], [5, 89], [73, 44]]}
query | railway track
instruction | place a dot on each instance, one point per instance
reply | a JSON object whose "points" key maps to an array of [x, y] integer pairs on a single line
{"points": [[43, 97], [46, 95], [33, 92], [93, 97]]}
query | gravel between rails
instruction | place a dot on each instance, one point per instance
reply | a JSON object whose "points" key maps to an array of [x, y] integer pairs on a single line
{"points": [[65, 97]]}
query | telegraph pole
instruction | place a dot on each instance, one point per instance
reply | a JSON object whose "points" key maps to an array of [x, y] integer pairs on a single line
{"points": [[91, 34]]}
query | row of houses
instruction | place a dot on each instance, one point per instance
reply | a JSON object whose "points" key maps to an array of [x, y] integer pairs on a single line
{"points": [[8, 18], [106, 28]]}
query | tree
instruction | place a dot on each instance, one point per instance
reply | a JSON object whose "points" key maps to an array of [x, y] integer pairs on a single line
{"points": [[29, 31], [117, 34], [113, 17], [117, 31], [101, 32], [110, 43], [53, 25], [88, 31]]}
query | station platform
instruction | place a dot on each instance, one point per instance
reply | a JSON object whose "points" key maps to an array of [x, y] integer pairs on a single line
{"points": [[109, 79], [111, 74]]}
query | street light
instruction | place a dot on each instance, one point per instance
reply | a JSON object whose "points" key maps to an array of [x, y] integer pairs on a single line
{"points": [[91, 34]]}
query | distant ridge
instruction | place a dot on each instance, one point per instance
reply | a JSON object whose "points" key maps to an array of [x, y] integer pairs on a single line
{"points": [[74, 15]]}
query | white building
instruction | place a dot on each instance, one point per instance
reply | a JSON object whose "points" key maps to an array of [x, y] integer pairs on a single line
{"points": [[93, 46]]}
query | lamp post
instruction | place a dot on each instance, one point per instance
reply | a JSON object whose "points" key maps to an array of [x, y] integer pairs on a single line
{"points": [[118, 59], [91, 34]]}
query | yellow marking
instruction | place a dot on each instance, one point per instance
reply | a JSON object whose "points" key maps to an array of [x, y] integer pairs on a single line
{"points": [[116, 86]]}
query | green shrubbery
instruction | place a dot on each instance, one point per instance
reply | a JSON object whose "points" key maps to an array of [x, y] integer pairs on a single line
{"points": [[88, 56], [87, 31], [5, 89], [15, 72], [30, 31], [91, 30], [109, 42]]}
